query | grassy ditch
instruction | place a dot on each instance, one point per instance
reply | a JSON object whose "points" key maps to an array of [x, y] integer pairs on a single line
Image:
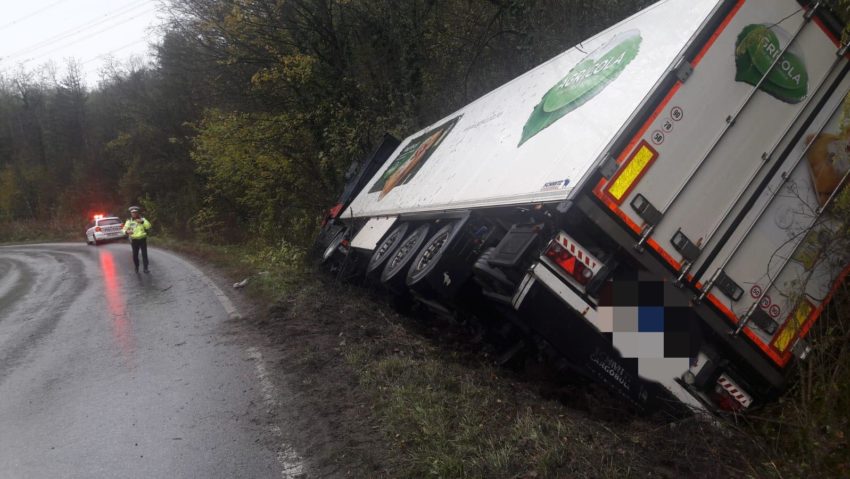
{"points": [[455, 419], [443, 410], [270, 270]]}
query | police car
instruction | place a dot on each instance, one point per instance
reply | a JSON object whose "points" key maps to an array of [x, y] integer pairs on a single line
{"points": [[104, 228]]}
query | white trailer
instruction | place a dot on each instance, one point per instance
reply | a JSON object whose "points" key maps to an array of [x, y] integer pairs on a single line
{"points": [[656, 205]]}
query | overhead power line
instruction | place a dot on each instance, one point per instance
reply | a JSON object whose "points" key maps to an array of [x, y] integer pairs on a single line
{"points": [[93, 23], [86, 37], [96, 22], [31, 14]]}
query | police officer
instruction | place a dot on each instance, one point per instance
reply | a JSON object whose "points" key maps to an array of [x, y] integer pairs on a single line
{"points": [[137, 228]]}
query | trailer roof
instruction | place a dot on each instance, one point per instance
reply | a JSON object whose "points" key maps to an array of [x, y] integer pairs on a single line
{"points": [[534, 138]]}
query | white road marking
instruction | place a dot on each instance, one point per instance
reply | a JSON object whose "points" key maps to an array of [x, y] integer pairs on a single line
{"points": [[225, 302], [292, 464]]}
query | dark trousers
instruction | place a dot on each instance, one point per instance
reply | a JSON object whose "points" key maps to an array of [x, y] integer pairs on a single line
{"points": [[140, 244]]}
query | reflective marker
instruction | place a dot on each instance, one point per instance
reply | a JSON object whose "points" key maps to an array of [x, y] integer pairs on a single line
{"points": [[793, 326], [635, 167]]}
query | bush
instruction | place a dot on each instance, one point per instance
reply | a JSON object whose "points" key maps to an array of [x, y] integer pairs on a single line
{"points": [[810, 425]]}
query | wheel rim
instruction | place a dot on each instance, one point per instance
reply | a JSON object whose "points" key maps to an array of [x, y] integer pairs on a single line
{"points": [[431, 251], [403, 250], [386, 246]]}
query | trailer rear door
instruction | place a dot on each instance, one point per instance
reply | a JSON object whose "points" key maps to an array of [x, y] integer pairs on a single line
{"points": [[719, 180]]}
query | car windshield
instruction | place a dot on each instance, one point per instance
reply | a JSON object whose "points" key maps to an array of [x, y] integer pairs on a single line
{"points": [[109, 221]]}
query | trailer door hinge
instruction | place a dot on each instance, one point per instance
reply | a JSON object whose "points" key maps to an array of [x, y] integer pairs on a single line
{"points": [[683, 70], [763, 321], [645, 210], [609, 166], [728, 286], [685, 246]]}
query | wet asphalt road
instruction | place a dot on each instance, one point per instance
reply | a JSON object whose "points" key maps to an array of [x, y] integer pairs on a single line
{"points": [[106, 373]]}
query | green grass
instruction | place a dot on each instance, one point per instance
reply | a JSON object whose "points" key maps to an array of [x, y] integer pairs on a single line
{"points": [[450, 423], [452, 418], [271, 270], [28, 231]]}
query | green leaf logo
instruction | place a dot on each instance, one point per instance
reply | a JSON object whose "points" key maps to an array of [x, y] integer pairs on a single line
{"points": [[756, 48], [583, 82]]}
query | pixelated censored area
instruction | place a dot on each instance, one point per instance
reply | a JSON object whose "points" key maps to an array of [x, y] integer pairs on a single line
{"points": [[648, 319]]}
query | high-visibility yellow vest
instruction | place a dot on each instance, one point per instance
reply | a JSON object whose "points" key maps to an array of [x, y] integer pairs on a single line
{"points": [[137, 229]]}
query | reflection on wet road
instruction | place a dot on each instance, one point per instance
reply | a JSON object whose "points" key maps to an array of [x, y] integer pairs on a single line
{"points": [[107, 373], [111, 287]]}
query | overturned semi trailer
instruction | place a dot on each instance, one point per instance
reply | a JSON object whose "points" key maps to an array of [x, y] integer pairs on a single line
{"points": [[657, 204]]}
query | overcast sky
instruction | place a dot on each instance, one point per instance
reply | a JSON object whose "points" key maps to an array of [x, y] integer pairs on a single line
{"points": [[33, 32]]}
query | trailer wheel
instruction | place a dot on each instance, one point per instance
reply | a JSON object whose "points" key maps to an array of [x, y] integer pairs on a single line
{"points": [[387, 248], [430, 254], [398, 263], [332, 248]]}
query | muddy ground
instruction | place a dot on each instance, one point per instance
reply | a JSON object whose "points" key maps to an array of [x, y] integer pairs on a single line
{"points": [[377, 394]]}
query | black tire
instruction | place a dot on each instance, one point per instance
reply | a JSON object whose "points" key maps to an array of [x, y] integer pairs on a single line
{"points": [[94, 240], [331, 250], [430, 254], [388, 246], [396, 266]]}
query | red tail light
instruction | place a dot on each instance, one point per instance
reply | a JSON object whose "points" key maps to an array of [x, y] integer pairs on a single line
{"points": [[344, 246], [569, 263], [725, 402], [97, 229]]}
